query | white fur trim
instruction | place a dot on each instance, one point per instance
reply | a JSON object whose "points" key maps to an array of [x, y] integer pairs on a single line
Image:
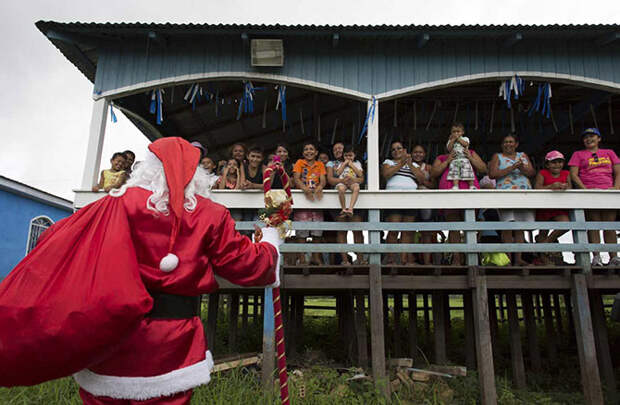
{"points": [[272, 236], [169, 262], [142, 388]]}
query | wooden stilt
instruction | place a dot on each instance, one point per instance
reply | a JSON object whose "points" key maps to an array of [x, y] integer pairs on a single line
{"points": [[530, 328], [299, 323], [501, 307], [233, 319], [439, 326], [558, 314], [601, 338], [360, 331], [586, 347], [571, 324], [538, 307], [398, 310], [446, 318], [427, 321], [552, 351], [214, 303], [493, 319], [376, 323], [245, 311], [484, 349], [516, 353], [413, 327], [470, 344]]}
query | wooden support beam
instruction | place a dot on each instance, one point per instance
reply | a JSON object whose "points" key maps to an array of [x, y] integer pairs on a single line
{"points": [[493, 319], [530, 328], [377, 340], [245, 311], [439, 327], [212, 311], [557, 309], [269, 349], [470, 339], [484, 349], [586, 347], [233, 319], [601, 338], [413, 326], [96, 135], [398, 310], [516, 353], [427, 318], [550, 334], [360, 330]]}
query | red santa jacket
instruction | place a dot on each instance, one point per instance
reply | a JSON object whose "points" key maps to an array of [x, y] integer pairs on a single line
{"points": [[78, 301]]}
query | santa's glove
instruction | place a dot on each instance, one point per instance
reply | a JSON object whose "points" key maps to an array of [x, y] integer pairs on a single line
{"points": [[272, 235]]}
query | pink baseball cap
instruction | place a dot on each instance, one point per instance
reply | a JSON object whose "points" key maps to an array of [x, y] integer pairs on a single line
{"points": [[554, 155]]}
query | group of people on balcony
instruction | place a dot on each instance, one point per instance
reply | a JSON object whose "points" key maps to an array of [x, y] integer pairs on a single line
{"points": [[459, 168]]}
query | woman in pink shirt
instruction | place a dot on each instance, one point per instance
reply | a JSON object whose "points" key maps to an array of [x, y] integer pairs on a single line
{"points": [[595, 168]]}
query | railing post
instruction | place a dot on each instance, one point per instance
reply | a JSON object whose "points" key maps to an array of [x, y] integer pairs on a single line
{"points": [[95, 143], [580, 236], [376, 305], [471, 237], [372, 147]]}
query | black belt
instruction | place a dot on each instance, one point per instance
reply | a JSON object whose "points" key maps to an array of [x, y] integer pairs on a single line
{"points": [[170, 306]]}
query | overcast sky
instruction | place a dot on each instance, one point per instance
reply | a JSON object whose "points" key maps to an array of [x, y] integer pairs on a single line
{"points": [[45, 105]]}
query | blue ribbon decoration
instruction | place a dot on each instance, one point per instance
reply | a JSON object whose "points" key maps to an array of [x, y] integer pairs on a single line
{"points": [[515, 86], [196, 93], [370, 115], [112, 115], [542, 102], [281, 100], [156, 106]]}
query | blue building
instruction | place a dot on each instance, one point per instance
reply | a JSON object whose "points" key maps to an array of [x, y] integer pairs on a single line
{"points": [[26, 213]]}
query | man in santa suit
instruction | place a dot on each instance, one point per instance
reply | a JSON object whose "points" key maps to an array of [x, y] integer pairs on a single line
{"points": [[110, 294]]}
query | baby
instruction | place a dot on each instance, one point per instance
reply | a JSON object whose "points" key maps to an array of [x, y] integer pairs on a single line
{"points": [[460, 168]]}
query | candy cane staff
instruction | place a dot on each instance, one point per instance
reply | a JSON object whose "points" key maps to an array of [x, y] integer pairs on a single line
{"points": [[110, 294], [278, 208]]}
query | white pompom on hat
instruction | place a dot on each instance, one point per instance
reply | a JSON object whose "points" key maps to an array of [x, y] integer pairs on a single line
{"points": [[180, 160]]}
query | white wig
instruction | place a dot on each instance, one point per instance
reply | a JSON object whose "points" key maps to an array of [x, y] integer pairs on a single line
{"points": [[149, 174]]}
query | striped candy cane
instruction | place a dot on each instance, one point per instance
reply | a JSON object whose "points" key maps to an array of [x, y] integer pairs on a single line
{"points": [[275, 220]]}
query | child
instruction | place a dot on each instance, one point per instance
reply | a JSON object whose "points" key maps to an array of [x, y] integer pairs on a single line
{"points": [[323, 157], [350, 174], [130, 157], [460, 167], [208, 164], [309, 176], [230, 178], [254, 170], [552, 177], [113, 177]]}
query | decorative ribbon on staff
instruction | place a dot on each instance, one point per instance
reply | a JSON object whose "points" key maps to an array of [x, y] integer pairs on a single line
{"points": [[157, 100], [196, 93], [543, 101], [515, 86], [247, 101], [277, 211], [281, 100], [370, 116], [112, 115]]}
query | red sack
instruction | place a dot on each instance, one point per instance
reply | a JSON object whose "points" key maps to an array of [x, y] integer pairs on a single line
{"points": [[73, 298]]}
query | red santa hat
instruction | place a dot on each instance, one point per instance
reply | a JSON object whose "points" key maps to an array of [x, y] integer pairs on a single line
{"points": [[180, 160]]}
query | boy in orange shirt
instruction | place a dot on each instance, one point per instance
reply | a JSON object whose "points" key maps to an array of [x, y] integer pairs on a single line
{"points": [[310, 176]]}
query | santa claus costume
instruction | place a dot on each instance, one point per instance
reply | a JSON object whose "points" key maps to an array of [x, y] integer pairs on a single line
{"points": [[110, 294]]}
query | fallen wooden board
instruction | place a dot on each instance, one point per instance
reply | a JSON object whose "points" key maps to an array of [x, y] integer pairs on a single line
{"points": [[418, 376], [400, 362], [460, 371], [428, 372], [227, 365]]}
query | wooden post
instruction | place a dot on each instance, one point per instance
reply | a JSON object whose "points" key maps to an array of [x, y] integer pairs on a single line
{"points": [[372, 146], [427, 320], [601, 338], [558, 314], [501, 307], [470, 344], [552, 352], [484, 349], [413, 326], [516, 353], [376, 323], [493, 319], [530, 328], [439, 326], [586, 347], [569, 311], [360, 330], [233, 319], [245, 311], [398, 310], [299, 322], [212, 311], [538, 307]]}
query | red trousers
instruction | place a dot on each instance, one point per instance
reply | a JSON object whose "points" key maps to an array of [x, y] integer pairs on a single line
{"points": [[182, 398]]}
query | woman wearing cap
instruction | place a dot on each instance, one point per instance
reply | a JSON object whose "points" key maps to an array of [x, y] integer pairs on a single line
{"points": [[552, 177], [595, 168], [512, 170]]}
